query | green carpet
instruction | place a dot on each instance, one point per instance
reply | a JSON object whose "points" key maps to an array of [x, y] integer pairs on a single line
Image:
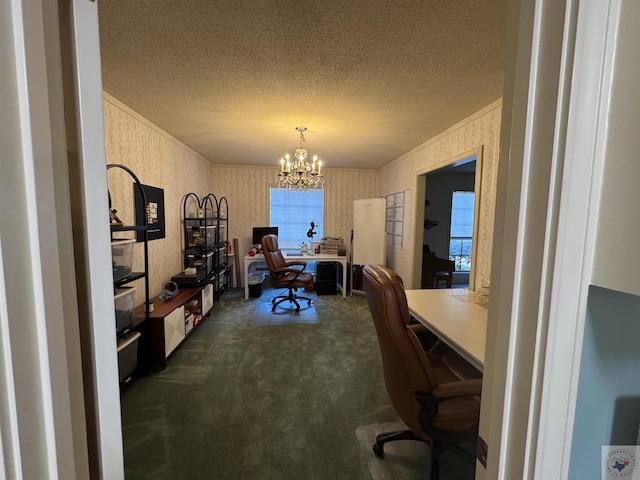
{"points": [[245, 399]]}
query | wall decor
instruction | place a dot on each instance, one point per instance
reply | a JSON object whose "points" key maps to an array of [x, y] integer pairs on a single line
{"points": [[154, 209]]}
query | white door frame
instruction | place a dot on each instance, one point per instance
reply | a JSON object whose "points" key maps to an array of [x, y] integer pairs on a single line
{"points": [[554, 109], [88, 191], [420, 186], [55, 277]]}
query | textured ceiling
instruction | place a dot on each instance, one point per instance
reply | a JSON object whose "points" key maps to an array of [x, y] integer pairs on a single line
{"points": [[369, 79]]}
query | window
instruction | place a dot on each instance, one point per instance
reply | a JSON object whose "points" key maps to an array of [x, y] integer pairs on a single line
{"points": [[461, 232], [292, 212]]}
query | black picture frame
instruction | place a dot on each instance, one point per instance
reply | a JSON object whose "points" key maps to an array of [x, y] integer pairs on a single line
{"points": [[154, 209]]}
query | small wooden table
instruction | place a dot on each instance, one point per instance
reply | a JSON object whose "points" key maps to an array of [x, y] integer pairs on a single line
{"points": [[166, 328], [455, 318]]}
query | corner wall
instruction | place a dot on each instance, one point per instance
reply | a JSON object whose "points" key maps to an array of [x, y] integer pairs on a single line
{"points": [[479, 130], [158, 160], [162, 161]]}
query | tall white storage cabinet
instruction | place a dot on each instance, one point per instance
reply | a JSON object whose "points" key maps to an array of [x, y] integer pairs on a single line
{"points": [[368, 245]]}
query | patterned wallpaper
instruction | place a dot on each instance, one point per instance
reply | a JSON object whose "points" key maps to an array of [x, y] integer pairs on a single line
{"points": [[247, 190], [162, 161], [480, 130], [158, 160]]}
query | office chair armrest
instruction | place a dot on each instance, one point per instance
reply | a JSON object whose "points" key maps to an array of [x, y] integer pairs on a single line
{"points": [[300, 263], [417, 327], [288, 269], [426, 337], [462, 388]]}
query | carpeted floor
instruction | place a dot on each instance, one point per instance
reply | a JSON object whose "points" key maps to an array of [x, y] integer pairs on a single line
{"points": [[249, 396]]}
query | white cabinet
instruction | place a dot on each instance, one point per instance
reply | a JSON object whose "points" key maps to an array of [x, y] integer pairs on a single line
{"points": [[174, 330], [207, 299]]}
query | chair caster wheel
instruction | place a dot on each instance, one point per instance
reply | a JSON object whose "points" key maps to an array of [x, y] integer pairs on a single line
{"points": [[273, 309], [378, 450]]}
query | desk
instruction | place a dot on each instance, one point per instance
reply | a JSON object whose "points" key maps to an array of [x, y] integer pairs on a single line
{"points": [[318, 257], [457, 321]]}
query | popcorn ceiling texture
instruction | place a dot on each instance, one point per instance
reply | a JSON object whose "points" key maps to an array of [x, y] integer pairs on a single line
{"points": [[371, 79]]}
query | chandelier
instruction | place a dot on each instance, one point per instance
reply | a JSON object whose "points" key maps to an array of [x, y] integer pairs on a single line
{"points": [[298, 174]]}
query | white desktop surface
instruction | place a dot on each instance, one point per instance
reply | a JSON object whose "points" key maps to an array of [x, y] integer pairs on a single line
{"points": [[318, 257], [455, 318]]}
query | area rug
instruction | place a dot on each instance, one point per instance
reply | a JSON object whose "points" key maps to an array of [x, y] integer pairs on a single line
{"points": [[407, 459], [284, 314]]}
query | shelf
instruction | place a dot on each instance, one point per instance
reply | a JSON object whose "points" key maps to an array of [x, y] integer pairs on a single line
{"points": [[200, 219], [128, 228], [133, 357], [134, 276], [163, 307]]}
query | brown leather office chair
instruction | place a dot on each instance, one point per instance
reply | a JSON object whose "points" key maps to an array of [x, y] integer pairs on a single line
{"points": [[432, 401], [283, 275]]}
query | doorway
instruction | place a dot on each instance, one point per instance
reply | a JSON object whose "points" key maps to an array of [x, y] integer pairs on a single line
{"points": [[446, 222]]}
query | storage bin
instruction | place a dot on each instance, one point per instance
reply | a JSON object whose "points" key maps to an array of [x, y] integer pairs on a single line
{"points": [[128, 356], [123, 300], [122, 258], [200, 260]]}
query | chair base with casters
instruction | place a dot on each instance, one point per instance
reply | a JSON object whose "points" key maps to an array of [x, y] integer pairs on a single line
{"points": [[436, 448], [382, 438], [289, 275], [291, 297]]}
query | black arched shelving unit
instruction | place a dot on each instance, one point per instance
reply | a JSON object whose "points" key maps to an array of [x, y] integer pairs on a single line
{"points": [[206, 242], [130, 331]]}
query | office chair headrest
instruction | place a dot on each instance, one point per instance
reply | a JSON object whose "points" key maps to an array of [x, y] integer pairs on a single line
{"points": [[269, 243]]}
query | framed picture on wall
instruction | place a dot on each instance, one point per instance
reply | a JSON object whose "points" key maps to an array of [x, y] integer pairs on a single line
{"points": [[154, 210]]}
